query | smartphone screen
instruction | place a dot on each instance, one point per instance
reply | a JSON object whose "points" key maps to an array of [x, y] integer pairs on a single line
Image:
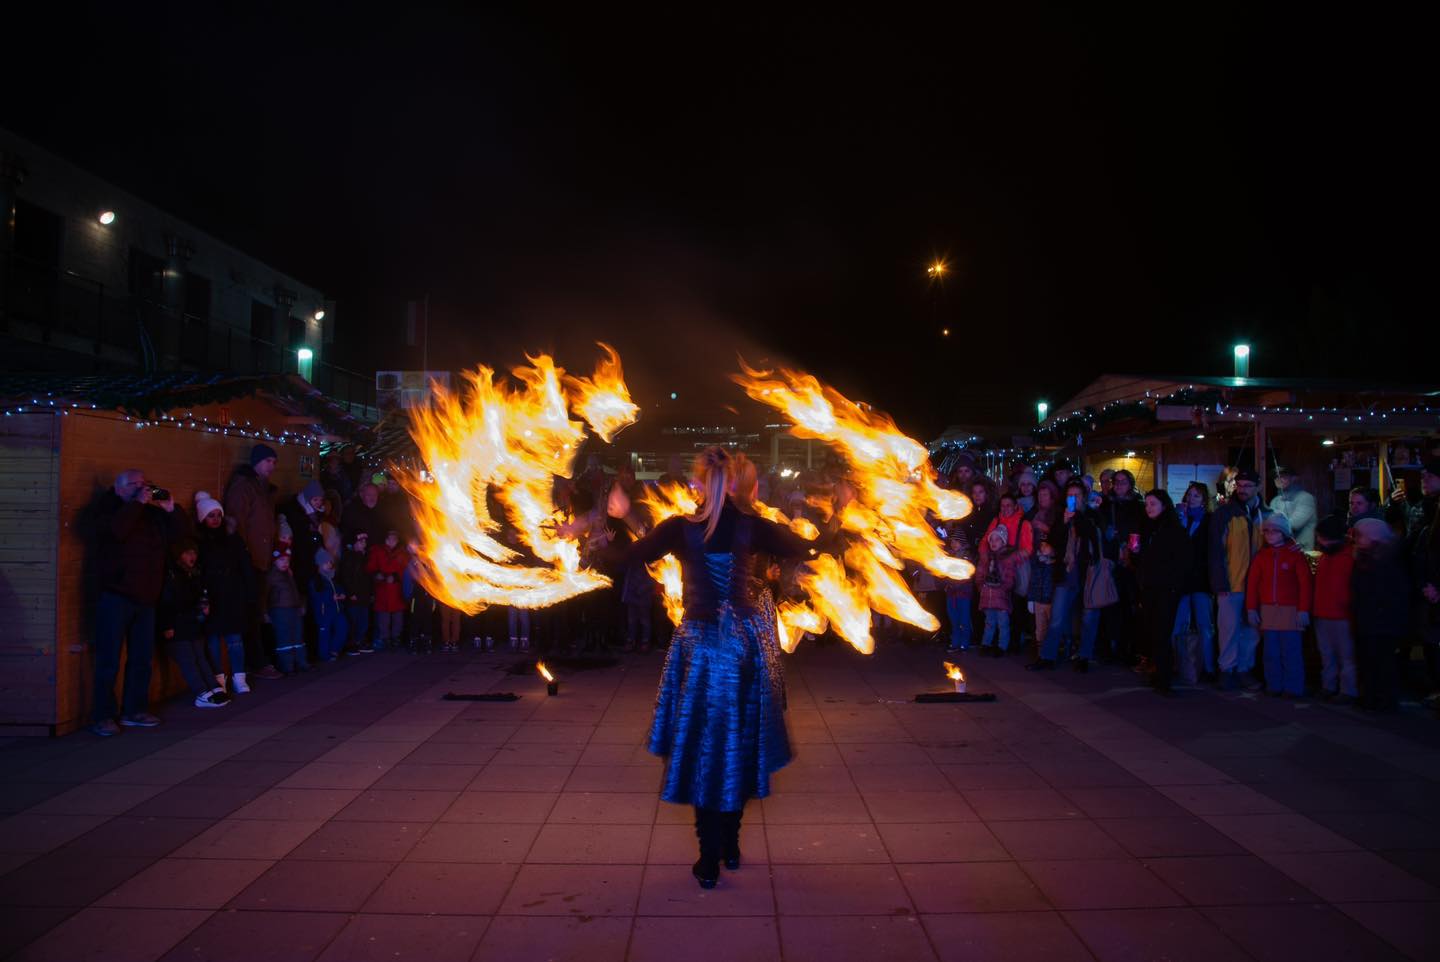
{"points": [[1070, 504]]}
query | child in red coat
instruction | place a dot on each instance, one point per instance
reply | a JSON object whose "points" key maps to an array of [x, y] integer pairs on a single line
{"points": [[998, 559], [1278, 596], [1338, 677], [387, 566]]}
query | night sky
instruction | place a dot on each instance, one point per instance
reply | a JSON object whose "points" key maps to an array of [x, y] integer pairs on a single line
{"points": [[1121, 191]]}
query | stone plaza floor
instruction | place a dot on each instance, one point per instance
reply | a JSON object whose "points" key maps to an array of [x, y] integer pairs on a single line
{"points": [[353, 814]]}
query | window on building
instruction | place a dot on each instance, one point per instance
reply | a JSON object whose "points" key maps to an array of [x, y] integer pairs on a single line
{"points": [[37, 234], [197, 295], [147, 275]]}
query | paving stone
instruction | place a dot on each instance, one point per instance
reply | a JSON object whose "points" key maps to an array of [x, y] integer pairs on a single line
{"points": [[840, 890], [1144, 935], [941, 842], [1353, 877], [1100, 884], [442, 888], [1055, 839], [825, 843], [121, 935], [1228, 880], [177, 883], [395, 938], [867, 938], [460, 842], [588, 939], [1004, 937], [500, 807], [295, 886], [361, 841], [705, 939], [574, 890], [296, 936], [1315, 933]]}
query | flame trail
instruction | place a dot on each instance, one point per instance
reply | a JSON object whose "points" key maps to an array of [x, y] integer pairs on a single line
{"points": [[507, 442], [886, 523]]}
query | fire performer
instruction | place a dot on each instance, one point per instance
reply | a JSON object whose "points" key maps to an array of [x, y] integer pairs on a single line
{"points": [[719, 721]]}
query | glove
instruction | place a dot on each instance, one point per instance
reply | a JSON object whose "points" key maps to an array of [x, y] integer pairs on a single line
{"points": [[1304, 619], [1255, 618]]}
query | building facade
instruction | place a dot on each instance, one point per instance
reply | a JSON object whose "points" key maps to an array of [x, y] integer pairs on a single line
{"points": [[94, 279]]}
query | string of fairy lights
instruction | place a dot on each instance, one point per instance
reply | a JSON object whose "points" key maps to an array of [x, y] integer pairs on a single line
{"points": [[186, 422]]}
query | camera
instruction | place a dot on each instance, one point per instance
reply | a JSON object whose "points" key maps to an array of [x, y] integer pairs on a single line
{"points": [[159, 494]]}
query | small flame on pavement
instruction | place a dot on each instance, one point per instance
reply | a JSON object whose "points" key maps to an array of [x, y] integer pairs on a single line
{"points": [[544, 672]]}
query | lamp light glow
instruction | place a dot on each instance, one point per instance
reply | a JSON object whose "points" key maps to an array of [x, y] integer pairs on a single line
{"points": [[107, 217], [305, 354], [320, 314]]}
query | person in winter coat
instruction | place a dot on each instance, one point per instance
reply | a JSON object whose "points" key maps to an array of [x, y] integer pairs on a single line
{"points": [[1279, 598], [1121, 517], [184, 609], [1297, 504], [358, 587], [1018, 533], [1041, 599], [998, 559], [250, 504], [1332, 615], [136, 531], [419, 603], [285, 608], [1163, 565], [1364, 503], [1233, 541], [387, 571], [1380, 596], [957, 598], [230, 583], [1422, 546], [1195, 614], [327, 607], [305, 514], [1077, 548], [363, 514]]}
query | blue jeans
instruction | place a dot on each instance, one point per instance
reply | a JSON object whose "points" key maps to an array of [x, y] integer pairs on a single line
{"points": [[330, 635], [1284, 664], [1200, 606], [958, 608], [120, 621], [997, 622], [234, 647], [358, 618], [1062, 612], [519, 623], [1236, 636], [289, 640]]}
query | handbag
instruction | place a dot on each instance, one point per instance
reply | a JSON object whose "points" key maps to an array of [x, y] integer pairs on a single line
{"points": [[1100, 590]]}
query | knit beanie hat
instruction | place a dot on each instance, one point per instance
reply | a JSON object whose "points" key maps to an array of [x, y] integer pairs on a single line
{"points": [[312, 491], [204, 504], [260, 452], [1280, 523], [1000, 530]]}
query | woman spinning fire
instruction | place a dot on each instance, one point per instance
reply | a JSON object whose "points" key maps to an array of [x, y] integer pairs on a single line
{"points": [[719, 721]]}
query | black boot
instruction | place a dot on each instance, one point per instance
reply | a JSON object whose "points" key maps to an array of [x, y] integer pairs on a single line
{"points": [[708, 831], [730, 839]]}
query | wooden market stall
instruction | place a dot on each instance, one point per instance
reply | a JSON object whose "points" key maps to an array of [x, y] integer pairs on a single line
{"points": [[62, 442], [1170, 431]]}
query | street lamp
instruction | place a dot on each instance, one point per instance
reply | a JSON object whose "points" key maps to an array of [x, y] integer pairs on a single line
{"points": [[1242, 361], [320, 314], [106, 217], [306, 359], [1042, 411], [937, 269]]}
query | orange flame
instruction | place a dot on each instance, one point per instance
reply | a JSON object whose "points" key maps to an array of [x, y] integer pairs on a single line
{"points": [[509, 440], [544, 672], [895, 492], [953, 672]]}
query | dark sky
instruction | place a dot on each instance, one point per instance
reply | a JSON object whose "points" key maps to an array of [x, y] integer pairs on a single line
{"points": [[1115, 190]]}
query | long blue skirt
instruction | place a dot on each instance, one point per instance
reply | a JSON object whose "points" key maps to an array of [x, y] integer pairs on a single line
{"points": [[720, 713]]}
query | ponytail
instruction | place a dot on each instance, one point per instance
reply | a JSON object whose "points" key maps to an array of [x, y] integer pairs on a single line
{"points": [[714, 471]]}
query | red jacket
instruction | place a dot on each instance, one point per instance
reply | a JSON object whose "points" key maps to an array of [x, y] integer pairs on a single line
{"points": [[384, 561], [1020, 534], [1280, 576], [996, 597], [1332, 585]]}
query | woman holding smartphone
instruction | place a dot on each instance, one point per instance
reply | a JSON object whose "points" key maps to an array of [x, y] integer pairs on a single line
{"points": [[1076, 541]]}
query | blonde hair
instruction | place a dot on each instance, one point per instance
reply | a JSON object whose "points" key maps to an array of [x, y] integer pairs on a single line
{"points": [[714, 472], [745, 486]]}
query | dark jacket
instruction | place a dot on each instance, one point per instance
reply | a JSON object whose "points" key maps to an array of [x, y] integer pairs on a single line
{"points": [[1165, 557], [251, 502], [1197, 575], [357, 516], [1380, 593], [280, 591], [179, 609], [1118, 519], [1082, 532], [305, 530], [356, 584], [1234, 539], [134, 546], [324, 606], [228, 577]]}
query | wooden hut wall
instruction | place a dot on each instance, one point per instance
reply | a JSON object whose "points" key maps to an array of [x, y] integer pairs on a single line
{"points": [[92, 451], [29, 472]]}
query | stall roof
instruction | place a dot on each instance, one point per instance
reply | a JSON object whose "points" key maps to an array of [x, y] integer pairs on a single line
{"points": [[146, 395]]}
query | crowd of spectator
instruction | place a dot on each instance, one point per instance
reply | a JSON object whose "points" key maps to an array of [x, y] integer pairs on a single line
{"points": [[1222, 588]]}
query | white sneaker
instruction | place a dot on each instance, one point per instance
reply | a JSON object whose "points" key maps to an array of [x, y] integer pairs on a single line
{"points": [[212, 699], [241, 687]]}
